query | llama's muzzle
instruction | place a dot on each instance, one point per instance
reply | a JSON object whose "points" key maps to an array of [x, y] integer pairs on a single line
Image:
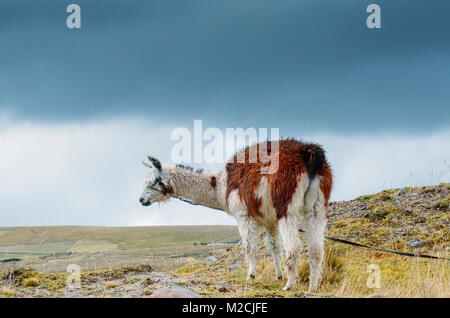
{"points": [[144, 202]]}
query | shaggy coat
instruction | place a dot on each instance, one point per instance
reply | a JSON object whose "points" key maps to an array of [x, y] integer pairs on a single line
{"points": [[293, 196], [295, 160]]}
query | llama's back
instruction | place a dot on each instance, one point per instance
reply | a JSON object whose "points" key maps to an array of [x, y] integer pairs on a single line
{"points": [[298, 164]]}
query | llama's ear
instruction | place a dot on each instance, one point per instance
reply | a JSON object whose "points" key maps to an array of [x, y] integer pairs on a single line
{"points": [[155, 162]]}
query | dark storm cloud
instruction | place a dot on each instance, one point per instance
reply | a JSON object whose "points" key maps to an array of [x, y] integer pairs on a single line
{"points": [[286, 64]]}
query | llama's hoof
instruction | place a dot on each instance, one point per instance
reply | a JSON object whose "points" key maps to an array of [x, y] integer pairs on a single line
{"points": [[251, 277], [287, 287]]}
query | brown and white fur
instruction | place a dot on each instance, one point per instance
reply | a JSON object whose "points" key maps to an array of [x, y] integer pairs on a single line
{"points": [[295, 196]]}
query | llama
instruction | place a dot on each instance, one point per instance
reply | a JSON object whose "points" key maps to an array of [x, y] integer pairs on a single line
{"points": [[295, 196]]}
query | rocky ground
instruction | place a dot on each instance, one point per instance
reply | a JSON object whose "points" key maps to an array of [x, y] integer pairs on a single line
{"points": [[407, 219], [127, 281]]}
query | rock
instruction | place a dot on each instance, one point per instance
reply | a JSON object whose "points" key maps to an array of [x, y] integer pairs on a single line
{"points": [[421, 219], [174, 292], [232, 267], [415, 244], [380, 214], [402, 191], [210, 259], [406, 212], [223, 289]]}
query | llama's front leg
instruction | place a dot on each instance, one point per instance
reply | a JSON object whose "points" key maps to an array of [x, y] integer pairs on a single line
{"points": [[292, 246], [274, 248], [249, 235], [315, 227]]}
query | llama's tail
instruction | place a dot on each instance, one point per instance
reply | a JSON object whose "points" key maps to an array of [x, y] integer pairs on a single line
{"points": [[314, 158]]}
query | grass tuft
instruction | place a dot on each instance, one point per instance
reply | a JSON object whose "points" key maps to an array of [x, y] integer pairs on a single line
{"points": [[30, 282], [113, 284]]}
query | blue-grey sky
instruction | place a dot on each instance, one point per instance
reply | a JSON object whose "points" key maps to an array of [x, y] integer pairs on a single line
{"points": [[293, 63], [80, 109]]}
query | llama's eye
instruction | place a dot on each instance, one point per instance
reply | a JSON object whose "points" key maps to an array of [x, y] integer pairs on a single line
{"points": [[154, 183]]}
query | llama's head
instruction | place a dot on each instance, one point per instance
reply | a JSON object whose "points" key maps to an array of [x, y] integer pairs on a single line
{"points": [[156, 186]]}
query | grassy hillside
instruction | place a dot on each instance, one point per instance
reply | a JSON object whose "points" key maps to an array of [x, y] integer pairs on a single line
{"points": [[123, 237], [408, 219], [397, 219]]}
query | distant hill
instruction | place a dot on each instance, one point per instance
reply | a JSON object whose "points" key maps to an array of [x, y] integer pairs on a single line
{"points": [[406, 219], [98, 247]]}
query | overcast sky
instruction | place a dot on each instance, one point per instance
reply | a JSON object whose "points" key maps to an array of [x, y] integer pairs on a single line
{"points": [[80, 109]]}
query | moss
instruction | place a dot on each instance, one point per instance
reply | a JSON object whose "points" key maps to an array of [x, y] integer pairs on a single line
{"points": [[148, 281], [56, 283], [365, 198], [134, 280], [115, 273], [444, 203], [30, 282], [379, 213], [147, 292]]}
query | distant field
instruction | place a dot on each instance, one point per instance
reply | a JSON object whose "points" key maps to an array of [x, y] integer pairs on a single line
{"points": [[163, 247], [391, 219]]}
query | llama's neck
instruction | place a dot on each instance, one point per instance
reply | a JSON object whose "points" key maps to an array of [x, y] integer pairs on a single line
{"points": [[197, 186]]}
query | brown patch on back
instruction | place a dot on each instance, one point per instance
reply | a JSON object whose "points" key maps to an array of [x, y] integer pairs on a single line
{"points": [[246, 177], [283, 183], [213, 182]]}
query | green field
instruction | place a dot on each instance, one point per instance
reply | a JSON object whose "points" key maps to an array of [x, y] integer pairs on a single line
{"points": [[164, 247]]}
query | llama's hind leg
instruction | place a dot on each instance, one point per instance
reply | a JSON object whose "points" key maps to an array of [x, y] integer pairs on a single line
{"points": [[249, 233], [293, 246], [316, 221], [315, 228], [274, 248]]}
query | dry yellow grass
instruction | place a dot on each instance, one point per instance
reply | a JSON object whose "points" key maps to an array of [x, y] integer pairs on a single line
{"points": [[399, 276], [6, 292], [30, 282], [113, 284], [346, 274]]}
